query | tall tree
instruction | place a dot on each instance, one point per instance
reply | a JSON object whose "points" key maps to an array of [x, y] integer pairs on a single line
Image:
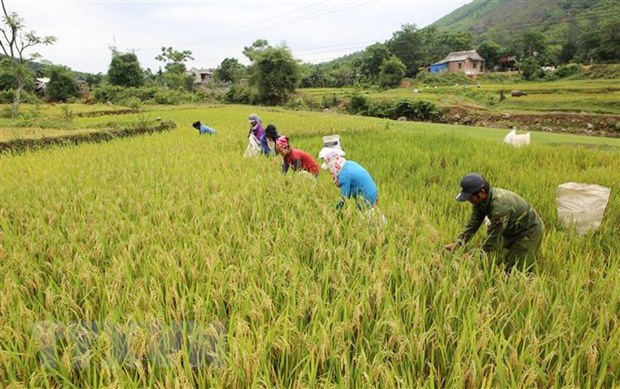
{"points": [[125, 70], [275, 75], [372, 59], [230, 70], [176, 75], [491, 52], [15, 40], [62, 84], [392, 72], [406, 44]]}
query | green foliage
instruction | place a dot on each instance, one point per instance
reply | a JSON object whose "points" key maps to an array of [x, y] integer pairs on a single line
{"points": [[491, 52], [150, 94], [407, 45], [392, 72], [8, 96], [372, 59], [530, 69], [419, 110], [230, 70], [125, 70], [175, 76], [569, 70], [358, 104], [174, 60], [275, 75], [62, 85], [241, 94], [442, 78]]}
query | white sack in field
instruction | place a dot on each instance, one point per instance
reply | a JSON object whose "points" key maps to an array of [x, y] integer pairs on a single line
{"points": [[581, 205], [253, 148], [517, 140]]}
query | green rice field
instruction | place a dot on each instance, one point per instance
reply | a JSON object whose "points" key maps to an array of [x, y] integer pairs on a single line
{"points": [[170, 260]]}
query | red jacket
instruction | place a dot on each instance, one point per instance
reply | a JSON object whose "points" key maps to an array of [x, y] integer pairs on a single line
{"points": [[299, 159]]}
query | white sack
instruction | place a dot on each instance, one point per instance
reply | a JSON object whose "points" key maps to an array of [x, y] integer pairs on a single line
{"points": [[253, 148], [581, 205], [517, 140]]}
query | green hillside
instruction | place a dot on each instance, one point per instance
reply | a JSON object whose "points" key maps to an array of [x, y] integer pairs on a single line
{"points": [[501, 20]]}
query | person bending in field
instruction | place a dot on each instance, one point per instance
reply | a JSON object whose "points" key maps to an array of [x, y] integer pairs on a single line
{"points": [[202, 129], [352, 179], [512, 219], [271, 134], [296, 159]]}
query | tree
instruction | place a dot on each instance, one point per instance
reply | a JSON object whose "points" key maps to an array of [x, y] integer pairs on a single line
{"points": [[275, 74], [372, 59], [255, 49], [14, 42], [530, 69], [491, 52], [609, 50], [176, 75], [230, 70], [125, 70], [62, 84], [406, 44], [530, 43], [392, 72]]}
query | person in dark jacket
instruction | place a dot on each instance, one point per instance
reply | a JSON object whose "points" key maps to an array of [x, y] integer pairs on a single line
{"points": [[512, 220]]}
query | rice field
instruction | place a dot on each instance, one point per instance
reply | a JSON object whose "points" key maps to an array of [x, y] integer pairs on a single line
{"points": [[169, 260], [589, 96]]}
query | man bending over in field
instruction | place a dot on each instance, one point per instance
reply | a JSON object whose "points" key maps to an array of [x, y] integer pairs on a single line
{"points": [[296, 159], [511, 218]]}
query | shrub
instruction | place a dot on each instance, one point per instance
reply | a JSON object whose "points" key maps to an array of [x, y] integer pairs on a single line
{"points": [[571, 69], [241, 94], [358, 104], [530, 69], [421, 110], [131, 102]]}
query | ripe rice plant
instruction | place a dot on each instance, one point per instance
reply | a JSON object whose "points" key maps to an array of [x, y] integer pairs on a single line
{"points": [[110, 253]]}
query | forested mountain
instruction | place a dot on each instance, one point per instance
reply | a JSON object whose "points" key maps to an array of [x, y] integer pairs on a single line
{"points": [[501, 20]]}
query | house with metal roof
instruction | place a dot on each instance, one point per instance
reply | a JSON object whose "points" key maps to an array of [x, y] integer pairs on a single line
{"points": [[468, 62]]}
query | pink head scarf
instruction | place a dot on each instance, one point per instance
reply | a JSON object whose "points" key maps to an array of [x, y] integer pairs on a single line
{"points": [[334, 162], [282, 142]]}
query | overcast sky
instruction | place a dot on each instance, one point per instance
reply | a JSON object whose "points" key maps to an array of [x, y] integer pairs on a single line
{"points": [[315, 31]]}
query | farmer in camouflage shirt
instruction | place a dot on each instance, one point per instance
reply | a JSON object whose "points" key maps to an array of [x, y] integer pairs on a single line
{"points": [[512, 219]]}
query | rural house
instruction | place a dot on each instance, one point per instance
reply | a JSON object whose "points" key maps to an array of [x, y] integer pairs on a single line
{"points": [[468, 62], [201, 76]]}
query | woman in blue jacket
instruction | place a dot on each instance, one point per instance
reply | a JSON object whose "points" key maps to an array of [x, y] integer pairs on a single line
{"points": [[352, 179]]}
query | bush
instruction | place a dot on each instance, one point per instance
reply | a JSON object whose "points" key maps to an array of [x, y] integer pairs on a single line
{"points": [[328, 101], [421, 110], [358, 104], [241, 94], [571, 69], [608, 72], [530, 69], [7, 96], [131, 102], [380, 109]]}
